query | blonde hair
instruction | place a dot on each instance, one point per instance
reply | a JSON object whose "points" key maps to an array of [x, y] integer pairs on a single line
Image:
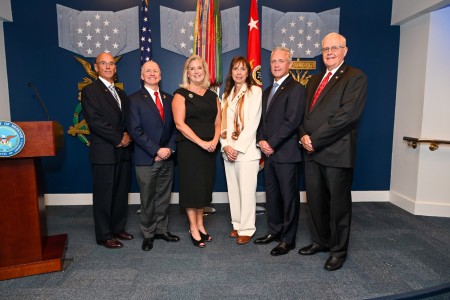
{"points": [[206, 81]]}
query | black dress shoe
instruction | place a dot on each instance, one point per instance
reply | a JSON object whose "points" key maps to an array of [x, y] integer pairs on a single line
{"points": [[123, 236], [147, 244], [167, 236], [333, 263], [281, 249], [111, 244], [267, 239], [312, 249]]}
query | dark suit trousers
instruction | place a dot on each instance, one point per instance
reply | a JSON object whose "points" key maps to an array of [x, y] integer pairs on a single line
{"points": [[282, 199], [110, 198], [328, 190], [155, 185]]}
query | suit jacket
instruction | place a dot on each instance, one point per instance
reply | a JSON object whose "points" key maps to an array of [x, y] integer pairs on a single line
{"points": [[106, 123], [332, 123], [246, 143], [146, 127], [280, 121]]}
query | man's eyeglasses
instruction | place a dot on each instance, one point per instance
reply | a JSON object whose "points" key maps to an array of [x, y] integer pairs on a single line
{"points": [[332, 48], [104, 63]]}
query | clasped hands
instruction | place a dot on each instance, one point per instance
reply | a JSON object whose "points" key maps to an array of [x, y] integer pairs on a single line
{"points": [[209, 146], [231, 153], [126, 140], [306, 143], [163, 154], [265, 148]]}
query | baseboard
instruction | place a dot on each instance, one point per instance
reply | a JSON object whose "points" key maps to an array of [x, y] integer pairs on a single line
{"points": [[419, 208], [221, 197]]}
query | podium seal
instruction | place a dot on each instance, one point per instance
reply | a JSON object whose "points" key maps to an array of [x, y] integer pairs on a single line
{"points": [[12, 139]]}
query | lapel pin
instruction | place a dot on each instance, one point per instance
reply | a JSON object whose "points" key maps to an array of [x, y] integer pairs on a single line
{"points": [[164, 96], [191, 96]]}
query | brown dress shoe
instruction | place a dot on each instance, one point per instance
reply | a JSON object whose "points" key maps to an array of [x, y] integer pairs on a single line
{"points": [[111, 244], [243, 239], [233, 234], [124, 236]]}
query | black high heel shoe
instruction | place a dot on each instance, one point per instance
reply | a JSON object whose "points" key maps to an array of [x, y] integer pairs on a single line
{"points": [[197, 243], [206, 237]]}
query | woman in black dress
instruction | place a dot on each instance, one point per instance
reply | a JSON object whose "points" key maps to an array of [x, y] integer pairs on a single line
{"points": [[196, 111]]}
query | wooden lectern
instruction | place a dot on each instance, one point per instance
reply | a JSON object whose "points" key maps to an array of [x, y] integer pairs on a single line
{"points": [[25, 248]]}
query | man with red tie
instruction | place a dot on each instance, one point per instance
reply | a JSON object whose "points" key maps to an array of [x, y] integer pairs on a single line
{"points": [[335, 101], [150, 123]]}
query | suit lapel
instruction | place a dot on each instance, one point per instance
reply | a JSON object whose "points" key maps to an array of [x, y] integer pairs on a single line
{"points": [[110, 98], [278, 92], [329, 85]]}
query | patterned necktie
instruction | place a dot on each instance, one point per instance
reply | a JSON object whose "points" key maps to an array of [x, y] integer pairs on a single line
{"points": [[114, 93], [159, 106], [272, 92], [319, 90]]}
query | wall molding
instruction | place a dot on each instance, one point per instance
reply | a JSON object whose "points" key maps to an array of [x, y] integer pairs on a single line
{"points": [[419, 208]]}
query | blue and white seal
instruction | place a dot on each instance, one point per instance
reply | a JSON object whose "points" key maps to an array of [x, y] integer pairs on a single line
{"points": [[12, 139]]}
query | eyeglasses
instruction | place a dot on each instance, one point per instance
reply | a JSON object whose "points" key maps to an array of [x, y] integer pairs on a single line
{"points": [[332, 48], [104, 63]]}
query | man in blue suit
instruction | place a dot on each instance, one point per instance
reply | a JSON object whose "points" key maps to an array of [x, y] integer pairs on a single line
{"points": [[150, 124]]}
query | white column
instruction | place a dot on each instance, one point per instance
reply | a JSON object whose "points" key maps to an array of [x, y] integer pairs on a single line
{"points": [[5, 15], [420, 181]]}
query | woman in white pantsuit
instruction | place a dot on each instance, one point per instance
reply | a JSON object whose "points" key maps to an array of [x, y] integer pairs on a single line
{"points": [[241, 113]]}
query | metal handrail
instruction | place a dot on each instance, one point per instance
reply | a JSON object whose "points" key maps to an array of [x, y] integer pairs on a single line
{"points": [[434, 144]]}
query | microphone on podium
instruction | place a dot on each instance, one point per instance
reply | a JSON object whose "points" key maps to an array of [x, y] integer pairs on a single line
{"points": [[41, 102]]}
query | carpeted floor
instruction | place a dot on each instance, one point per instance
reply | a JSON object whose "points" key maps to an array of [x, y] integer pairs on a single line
{"points": [[391, 252]]}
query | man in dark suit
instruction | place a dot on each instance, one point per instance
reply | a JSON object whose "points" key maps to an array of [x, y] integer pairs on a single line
{"points": [[109, 153], [328, 135], [283, 106], [150, 123]]}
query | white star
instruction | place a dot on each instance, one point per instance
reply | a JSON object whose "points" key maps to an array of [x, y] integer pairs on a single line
{"points": [[291, 38], [116, 46], [89, 37], [97, 30], [116, 31], [97, 17], [317, 31], [142, 39], [106, 23], [97, 45], [191, 51], [283, 30], [292, 24], [300, 45], [145, 19], [88, 23], [316, 45], [148, 49], [301, 18], [147, 58], [308, 52], [106, 37], [283, 44], [182, 30], [191, 37], [89, 51], [149, 40], [183, 45], [142, 48], [80, 30], [144, 29], [292, 52], [308, 38], [253, 23], [300, 31], [191, 24], [309, 23], [107, 51], [80, 44]]}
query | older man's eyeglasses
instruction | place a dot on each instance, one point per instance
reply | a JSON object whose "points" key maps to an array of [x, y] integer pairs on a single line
{"points": [[332, 49], [105, 63]]}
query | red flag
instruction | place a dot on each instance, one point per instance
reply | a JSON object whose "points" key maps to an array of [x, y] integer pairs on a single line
{"points": [[254, 42]]}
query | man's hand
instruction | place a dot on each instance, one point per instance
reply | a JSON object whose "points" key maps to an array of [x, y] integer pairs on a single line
{"points": [[126, 140], [307, 144], [265, 148], [163, 154]]}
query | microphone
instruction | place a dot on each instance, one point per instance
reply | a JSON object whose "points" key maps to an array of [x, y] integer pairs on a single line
{"points": [[41, 102]]}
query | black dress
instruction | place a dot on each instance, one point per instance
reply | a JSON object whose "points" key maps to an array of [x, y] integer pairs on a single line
{"points": [[196, 165]]}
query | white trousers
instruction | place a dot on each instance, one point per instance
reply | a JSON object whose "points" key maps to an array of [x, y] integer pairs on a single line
{"points": [[242, 178]]}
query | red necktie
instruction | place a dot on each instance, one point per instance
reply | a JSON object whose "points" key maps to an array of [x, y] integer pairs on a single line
{"points": [[319, 90], [159, 106]]}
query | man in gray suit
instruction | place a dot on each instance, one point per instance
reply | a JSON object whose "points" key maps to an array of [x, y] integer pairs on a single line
{"points": [[328, 135]]}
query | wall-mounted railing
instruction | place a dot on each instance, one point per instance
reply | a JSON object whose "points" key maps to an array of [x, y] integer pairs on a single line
{"points": [[434, 144]]}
